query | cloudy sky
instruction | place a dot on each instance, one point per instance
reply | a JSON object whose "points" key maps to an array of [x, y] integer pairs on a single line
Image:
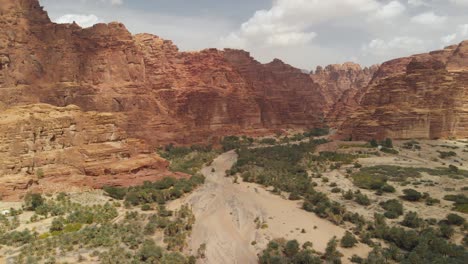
{"points": [[304, 33]]}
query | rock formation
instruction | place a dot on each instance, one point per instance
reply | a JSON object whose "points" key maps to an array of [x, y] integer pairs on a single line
{"points": [[147, 90], [50, 148], [422, 96], [143, 87], [165, 95], [340, 84]]}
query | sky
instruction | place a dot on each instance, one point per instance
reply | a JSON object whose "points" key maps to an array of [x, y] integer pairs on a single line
{"points": [[303, 33]]}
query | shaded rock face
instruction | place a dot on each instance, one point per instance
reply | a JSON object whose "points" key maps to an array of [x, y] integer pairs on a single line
{"points": [[49, 148], [423, 96], [165, 95], [340, 84]]}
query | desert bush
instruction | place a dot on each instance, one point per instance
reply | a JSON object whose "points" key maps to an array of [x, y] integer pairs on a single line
{"points": [[446, 154], [115, 192], [317, 132], [454, 219], [411, 195], [348, 240], [393, 208], [362, 199], [32, 201], [282, 251], [412, 220]]}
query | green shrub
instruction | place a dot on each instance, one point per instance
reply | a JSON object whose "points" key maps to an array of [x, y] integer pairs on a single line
{"points": [[349, 195], [454, 219], [388, 188], [115, 192], [268, 141], [348, 240], [366, 180], [411, 195], [446, 230], [146, 207], [412, 220], [362, 199], [57, 224], [291, 248], [32, 201], [393, 208], [446, 154], [336, 190], [317, 132]]}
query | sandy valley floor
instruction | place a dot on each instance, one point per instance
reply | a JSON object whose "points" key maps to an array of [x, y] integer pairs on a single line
{"points": [[226, 212]]}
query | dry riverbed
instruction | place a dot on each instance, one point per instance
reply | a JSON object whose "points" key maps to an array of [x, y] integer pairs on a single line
{"points": [[237, 220]]}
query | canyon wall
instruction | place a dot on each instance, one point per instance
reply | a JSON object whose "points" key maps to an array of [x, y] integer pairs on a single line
{"points": [[96, 102], [340, 84], [422, 96], [48, 148], [163, 95]]}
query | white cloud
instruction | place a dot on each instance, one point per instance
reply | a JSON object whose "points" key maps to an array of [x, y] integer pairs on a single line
{"points": [[116, 2], [289, 22], [290, 38], [459, 35], [460, 2], [82, 20], [397, 45], [428, 18], [448, 39], [417, 3], [390, 10]]}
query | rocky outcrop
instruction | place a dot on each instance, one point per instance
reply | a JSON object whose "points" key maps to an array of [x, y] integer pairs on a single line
{"points": [[165, 95], [422, 96], [340, 84], [49, 148]]}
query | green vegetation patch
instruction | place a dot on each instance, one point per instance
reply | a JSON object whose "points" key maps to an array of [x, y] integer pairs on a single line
{"points": [[343, 158], [188, 160], [76, 230], [375, 177], [282, 251], [460, 202], [156, 192]]}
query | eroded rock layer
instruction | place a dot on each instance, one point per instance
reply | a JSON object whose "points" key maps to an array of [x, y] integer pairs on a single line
{"points": [[340, 84], [166, 95], [422, 96], [49, 148]]}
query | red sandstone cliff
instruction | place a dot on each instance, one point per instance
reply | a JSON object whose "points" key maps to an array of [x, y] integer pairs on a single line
{"points": [[422, 96], [145, 89], [340, 84], [163, 95]]}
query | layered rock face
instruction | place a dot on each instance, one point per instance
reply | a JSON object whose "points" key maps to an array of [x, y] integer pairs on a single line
{"points": [[340, 84], [422, 96], [49, 148], [165, 95]]}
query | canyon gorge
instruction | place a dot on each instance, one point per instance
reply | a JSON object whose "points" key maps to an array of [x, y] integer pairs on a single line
{"points": [[95, 103]]}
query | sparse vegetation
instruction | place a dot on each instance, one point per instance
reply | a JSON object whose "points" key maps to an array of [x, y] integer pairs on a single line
{"points": [[446, 154], [282, 251], [393, 208], [77, 228], [411, 195], [348, 240], [188, 160]]}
